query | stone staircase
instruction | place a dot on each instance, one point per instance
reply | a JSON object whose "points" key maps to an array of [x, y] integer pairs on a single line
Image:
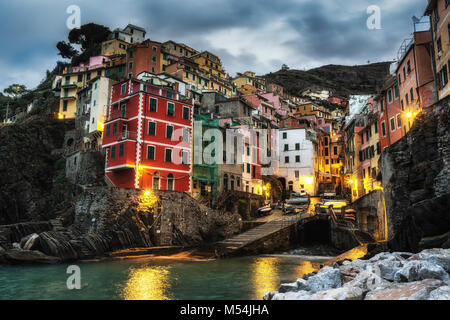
{"points": [[242, 240]]}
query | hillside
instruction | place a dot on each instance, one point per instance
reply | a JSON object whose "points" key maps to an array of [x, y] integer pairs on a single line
{"points": [[341, 80]]}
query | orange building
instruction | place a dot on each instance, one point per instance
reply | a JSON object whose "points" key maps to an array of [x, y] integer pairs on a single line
{"points": [[142, 57], [439, 12]]}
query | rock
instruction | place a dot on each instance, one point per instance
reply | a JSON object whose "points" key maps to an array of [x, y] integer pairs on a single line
{"points": [[441, 293], [32, 242], [326, 278], [302, 285], [19, 256], [343, 293], [420, 270], [388, 268], [288, 287], [368, 279], [440, 257], [299, 295], [269, 295], [406, 291]]}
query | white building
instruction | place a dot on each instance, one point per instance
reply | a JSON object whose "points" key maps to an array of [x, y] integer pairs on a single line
{"points": [[130, 34], [296, 165]]}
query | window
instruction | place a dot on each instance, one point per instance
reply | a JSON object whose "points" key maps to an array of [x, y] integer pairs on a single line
{"points": [[392, 124], [88, 77], [168, 157], [335, 150], [396, 92], [399, 121], [80, 77], [114, 128], [408, 64], [170, 109], [390, 96], [383, 129], [123, 88], [286, 147], [284, 135], [326, 152], [297, 175], [403, 106], [156, 181], [154, 58], [151, 128], [443, 77], [439, 47], [169, 132], [404, 73], [382, 104], [184, 157], [170, 182], [64, 106], [150, 153], [131, 54], [286, 159], [113, 152], [378, 148], [248, 167], [297, 159], [407, 99], [399, 80], [121, 149], [153, 105], [108, 130], [185, 135], [411, 92], [130, 66], [186, 113], [297, 146]]}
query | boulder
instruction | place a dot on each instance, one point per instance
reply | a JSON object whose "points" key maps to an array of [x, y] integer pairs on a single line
{"points": [[416, 270], [388, 268], [440, 257], [299, 295], [19, 256], [441, 293], [406, 291], [269, 295], [302, 284], [327, 278], [343, 293], [368, 279]]}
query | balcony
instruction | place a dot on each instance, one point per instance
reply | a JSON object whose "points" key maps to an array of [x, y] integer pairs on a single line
{"points": [[117, 115], [68, 84], [127, 135]]}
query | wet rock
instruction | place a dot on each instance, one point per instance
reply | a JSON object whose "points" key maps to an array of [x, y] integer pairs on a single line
{"points": [[420, 270], [406, 291], [343, 293], [441, 293], [326, 278], [19, 256], [388, 268], [269, 295]]}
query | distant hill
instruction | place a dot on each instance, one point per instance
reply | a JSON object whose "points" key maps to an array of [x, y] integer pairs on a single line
{"points": [[341, 80]]}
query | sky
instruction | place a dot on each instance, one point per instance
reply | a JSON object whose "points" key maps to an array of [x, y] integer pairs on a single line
{"points": [[256, 35]]}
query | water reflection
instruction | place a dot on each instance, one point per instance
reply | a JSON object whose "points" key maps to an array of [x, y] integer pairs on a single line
{"points": [[264, 277], [306, 267], [148, 283]]}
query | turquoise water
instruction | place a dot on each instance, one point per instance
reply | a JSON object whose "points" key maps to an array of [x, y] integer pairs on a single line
{"points": [[229, 279]]}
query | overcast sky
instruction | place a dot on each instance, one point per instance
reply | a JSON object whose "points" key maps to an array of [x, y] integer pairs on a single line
{"points": [[257, 35]]}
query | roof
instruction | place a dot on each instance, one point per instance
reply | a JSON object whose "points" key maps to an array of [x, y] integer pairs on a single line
{"points": [[431, 5], [132, 26]]}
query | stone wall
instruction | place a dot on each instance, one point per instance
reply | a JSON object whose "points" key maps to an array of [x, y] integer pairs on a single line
{"points": [[415, 175]]}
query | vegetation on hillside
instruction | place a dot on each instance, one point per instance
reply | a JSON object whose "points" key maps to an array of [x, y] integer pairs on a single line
{"points": [[341, 80]]}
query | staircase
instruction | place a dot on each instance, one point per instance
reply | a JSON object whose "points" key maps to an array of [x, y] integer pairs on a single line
{"points": [[361, 236], [239, 242]]}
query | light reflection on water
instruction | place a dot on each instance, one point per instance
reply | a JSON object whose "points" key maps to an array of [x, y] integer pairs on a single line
{"points": [[148, 283], [265, 276]]}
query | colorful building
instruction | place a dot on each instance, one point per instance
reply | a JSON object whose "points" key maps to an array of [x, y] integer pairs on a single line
{"points": [[439, 13], [143, 57], [210, 63], [148, 137]]}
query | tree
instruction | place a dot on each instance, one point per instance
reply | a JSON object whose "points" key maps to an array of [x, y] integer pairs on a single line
{"points": [[284, 67], [16, 90], [89, 37]]}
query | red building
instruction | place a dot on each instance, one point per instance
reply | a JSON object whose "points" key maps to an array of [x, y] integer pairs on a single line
{"points": [[145, 56], [389, 113], [147, 137]]}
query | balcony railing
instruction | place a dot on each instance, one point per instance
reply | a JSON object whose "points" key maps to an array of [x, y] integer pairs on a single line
{"points": [[127, 135]]}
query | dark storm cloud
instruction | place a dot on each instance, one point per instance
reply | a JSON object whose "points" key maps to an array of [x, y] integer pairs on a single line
{"points": [[257, 35]]}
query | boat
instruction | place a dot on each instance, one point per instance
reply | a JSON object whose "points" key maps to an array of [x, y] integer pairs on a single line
{"points": [[265, 211]]}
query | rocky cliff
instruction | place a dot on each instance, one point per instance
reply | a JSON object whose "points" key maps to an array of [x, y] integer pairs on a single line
{"points": [[416, 176]]}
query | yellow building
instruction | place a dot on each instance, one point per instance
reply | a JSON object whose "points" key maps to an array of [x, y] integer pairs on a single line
{"points": [[114, 47], [189, 72], [311, 108], [439, 11], [249, 83], [210, 63], [174, 49]]}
